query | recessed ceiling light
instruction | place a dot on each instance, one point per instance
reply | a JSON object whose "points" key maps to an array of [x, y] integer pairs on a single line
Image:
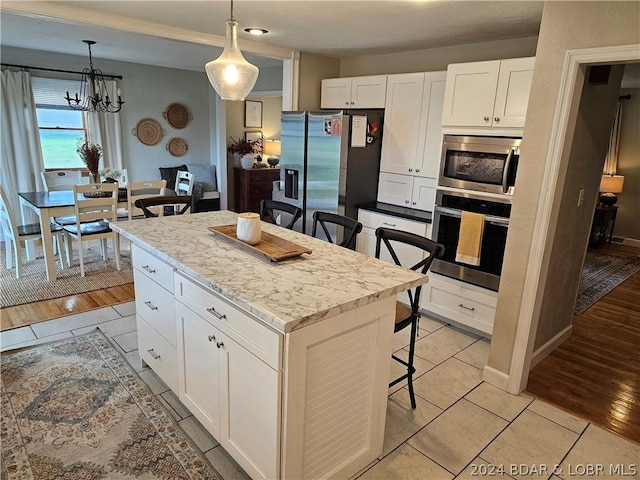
{"points": [[256, 31]]}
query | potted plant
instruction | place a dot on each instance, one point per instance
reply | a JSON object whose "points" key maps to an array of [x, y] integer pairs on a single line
{"points": [[90, 154], [110, 175], [245, 149]]}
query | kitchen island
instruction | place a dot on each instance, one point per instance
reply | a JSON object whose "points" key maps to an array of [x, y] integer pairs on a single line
{"points": [[286, 363]]}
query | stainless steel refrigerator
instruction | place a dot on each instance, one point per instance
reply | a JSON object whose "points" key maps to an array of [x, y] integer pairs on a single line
{"points": [[329, 161]]}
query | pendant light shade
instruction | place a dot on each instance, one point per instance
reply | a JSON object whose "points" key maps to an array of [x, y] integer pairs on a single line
{"points": [[230, 74]]}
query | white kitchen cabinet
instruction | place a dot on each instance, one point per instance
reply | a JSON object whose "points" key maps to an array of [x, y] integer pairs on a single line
{"points": [[230, 390], [488, 94], [354, 92], [412, 132], [407, 191], [460, 302]]}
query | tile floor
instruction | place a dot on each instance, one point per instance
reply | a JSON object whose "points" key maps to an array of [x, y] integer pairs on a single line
{"points": [[462, 428]]}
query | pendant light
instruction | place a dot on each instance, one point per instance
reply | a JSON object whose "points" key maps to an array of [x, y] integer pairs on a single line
{"points": [[230, 74]]}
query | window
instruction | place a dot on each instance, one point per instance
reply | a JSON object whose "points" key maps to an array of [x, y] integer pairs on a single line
{"points": [[61, 129]]}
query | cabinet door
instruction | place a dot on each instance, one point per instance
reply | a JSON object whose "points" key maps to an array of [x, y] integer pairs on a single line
{"points": [[401, 123], [395, 189], [250, 410], [423, 194], [470, 94], [512, 95], [430, 131], [336, 93], [366, 241], [198, 376], [368, 92]]}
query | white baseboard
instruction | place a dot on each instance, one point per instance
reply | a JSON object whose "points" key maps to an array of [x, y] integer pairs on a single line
{"points": [[634, 242], [495, 377], [550, 346]]}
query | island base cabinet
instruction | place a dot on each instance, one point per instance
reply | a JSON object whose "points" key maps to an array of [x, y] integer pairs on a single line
{"points": [[336, 392], [231, 392]]}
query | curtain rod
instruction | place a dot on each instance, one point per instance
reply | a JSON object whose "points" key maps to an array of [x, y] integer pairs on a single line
{"points": [[26, 67]]}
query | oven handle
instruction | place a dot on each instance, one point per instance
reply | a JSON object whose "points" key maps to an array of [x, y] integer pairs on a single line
{"points": [[505, 173], [500, 221]]}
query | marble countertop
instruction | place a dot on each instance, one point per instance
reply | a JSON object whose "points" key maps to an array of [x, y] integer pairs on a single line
{"points": [[286, 295]]}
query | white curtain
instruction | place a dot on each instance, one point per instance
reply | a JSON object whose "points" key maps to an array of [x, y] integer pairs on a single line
{"points": [[104, 129], [611, 160], [21, 153]]}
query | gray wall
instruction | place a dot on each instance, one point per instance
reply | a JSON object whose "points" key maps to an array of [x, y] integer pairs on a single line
{"points": [[147, 91]]}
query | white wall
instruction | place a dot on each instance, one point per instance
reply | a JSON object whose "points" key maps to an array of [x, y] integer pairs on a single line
{"points": [[627, 221]]}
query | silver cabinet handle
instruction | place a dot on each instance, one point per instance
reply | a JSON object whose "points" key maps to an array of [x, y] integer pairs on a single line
{"points": [[389, 224], [413, 203], [411, 169], [346, 103], [466, 308], [151, 305], [153, 354], [352, 102], [211, 338], [219, 344], [496, 119], [148, 269], [213, 312], [417, 170], [486, 119], [406, 201]]}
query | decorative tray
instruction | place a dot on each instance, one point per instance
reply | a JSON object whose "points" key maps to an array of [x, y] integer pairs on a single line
{"points": [[270, 246], [148, 131], [177, 115], [177, 146]]}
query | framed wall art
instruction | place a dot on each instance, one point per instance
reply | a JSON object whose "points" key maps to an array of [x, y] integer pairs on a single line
{"points": [[252, 114], [252, 136]]}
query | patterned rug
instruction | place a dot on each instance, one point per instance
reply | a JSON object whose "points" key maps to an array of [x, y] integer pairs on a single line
{"points": [[33, 285], [602, 273], [75, 409]]}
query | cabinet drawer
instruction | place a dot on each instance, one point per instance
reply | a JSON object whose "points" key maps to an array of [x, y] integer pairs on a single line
{"points": [[156, 306], [246, 330], [375, 220], [158, 353], [464, 305], [153, 267]]}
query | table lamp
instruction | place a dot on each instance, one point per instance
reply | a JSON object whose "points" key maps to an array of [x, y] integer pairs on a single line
{"points": [[609, 186], [271, 150]]}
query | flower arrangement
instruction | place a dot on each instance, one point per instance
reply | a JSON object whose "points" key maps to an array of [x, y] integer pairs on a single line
{"points": [[90, 154], [110, 174], [244, 147]]}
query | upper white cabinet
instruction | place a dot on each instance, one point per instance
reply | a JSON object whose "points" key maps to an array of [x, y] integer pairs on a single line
{"points": [[354, 92], [412, 136], [488, 94], [407, 191]]}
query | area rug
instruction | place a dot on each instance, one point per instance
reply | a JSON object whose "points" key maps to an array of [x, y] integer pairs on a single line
{"points": [[33, 285], [76, 409], [602, 273]]}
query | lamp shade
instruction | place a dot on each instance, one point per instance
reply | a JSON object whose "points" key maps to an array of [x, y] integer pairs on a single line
{"points": [[611, 183], [230, 74], [271, 147]]}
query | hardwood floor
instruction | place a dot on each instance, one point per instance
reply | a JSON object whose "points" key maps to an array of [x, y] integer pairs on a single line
{"points": [[30, 313], [595, 374]]}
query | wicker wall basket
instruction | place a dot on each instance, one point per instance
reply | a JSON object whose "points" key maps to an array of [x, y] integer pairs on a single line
{"points": [[177, 115], [177, 147], [148, 131]]}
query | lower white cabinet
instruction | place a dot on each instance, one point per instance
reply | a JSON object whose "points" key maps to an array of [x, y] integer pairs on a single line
{"points": [[460, 302], [407, 191], [234, 394]]}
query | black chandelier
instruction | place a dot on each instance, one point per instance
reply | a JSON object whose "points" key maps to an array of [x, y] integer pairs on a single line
{"points": [[94, 95]]}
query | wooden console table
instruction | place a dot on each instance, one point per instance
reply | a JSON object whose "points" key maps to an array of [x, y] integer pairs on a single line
{"points": [[604, 221], [252, 185]]}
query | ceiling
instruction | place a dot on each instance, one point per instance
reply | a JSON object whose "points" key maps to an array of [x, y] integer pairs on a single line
{"points": [[133, 30]]}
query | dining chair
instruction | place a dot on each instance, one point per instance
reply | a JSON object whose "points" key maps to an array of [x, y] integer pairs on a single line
{"points": [[137, 190], [408, 315], [56, 180], [272, 210], [15, 234], [96, 205], [182, 204], [184, 183], [330, 222]]}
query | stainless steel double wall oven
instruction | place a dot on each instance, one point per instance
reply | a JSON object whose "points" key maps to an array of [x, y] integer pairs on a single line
{"points": [[477, 175]]}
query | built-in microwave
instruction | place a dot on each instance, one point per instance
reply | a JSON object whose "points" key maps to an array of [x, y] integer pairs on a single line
{"points": [[485, 164]]}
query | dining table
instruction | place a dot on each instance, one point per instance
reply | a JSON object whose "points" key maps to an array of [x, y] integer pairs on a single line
{"points": [[48, 205]]}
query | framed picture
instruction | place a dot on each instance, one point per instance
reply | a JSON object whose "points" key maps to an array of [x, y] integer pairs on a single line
{"points": [[252, 114], [252, 136]]}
